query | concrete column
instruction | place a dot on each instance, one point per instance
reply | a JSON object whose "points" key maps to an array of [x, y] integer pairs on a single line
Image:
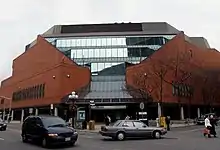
{"points": [[36, 111], [182, 113], [22, 115], [3, 118], [159, 110], [12, 115], [198, 112], [55, 111]]}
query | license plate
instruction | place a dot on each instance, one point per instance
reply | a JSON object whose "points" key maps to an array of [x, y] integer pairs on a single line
{"points": [[67, 139]]}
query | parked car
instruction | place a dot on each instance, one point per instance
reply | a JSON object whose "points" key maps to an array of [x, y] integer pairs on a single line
{"points": [[122, 129], [48, 130], [3, 125]]}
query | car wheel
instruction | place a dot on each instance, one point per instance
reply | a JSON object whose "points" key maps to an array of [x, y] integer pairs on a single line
{"points": [[121, 136], [157, 134], [44, 143], [24, 138]]}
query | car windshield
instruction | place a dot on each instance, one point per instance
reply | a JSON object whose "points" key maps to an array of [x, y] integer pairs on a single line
{"points": [[116, 123], [53, 122]]}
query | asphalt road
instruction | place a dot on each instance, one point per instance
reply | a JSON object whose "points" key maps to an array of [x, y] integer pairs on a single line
{"points": [[187, 138]]}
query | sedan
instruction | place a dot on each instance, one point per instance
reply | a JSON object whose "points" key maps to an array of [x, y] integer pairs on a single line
{"points": [[3, 125], [123, 129]]}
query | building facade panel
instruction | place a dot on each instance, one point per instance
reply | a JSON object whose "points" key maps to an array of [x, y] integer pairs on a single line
{"points": [[170, 53], [43, 75]]}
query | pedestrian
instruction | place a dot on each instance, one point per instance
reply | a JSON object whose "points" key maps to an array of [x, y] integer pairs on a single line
{"points": [[127, 117], [107, 120], [167, 120], [208, 126], [213, 123]]}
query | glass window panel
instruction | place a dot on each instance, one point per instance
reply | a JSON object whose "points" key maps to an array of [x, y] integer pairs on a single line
{"points": [[91, 53], [59, 43], [107, 65], [114, 41], [96, 52], [66, 43], [120, 52], [85, 53], [74, 42], [73, 54], [125, 52], [114, 64], [79, 53], [114, 52], [123, 41], [93, 42], [109, 42], [103, 42], [99, 42], [119, 41], [83, 42], [94, 67], [101, 66], [78, 42], [102, 52], [89, 42], [108, 53]]}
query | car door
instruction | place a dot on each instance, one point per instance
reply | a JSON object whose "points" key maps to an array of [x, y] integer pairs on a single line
{"points": [[142, 130], [129, 128], [26, 127], [39, 128], [32, 127]]}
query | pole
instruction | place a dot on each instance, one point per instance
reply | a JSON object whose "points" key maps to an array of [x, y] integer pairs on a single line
{"points": [[142, 113], [161, 94], [3, 116], [90, 112], [9, 113]]}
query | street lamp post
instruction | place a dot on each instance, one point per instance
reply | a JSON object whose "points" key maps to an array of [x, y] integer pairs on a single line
{"points": [[73, 96], [91, 103]]}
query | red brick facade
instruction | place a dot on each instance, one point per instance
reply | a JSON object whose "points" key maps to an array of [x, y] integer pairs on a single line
{"points": [[173, 58], [44, 64]]}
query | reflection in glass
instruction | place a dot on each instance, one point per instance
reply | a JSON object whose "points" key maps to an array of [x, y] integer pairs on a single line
{"points": [[110, 52]]}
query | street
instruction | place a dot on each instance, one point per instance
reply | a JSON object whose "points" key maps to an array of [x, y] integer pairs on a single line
{"points": [[185, 138]]}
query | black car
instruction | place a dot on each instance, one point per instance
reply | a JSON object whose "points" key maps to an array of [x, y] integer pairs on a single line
{"points": [[48, 130], [3, 125]]}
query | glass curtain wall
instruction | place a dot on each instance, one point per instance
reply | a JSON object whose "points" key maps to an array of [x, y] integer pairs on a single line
{"points": [[103, 53]]}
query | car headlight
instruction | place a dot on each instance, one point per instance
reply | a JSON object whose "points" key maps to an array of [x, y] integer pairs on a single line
{"points": [[52, 135]]}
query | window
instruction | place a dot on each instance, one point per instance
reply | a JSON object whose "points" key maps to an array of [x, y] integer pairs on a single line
{"points": [[128, 124], [139, 124], [43, 88], [34, 92], [53, 121]]}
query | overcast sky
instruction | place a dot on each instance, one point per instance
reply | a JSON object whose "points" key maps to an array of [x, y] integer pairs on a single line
{"points": [[22, 20]]}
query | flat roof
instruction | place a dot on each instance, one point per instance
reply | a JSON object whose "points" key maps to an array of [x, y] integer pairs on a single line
{"points": [[111, 29]]}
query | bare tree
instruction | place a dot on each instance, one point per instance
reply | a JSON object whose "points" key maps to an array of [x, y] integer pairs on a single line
{"points": [[210, 87], [141, 89]]}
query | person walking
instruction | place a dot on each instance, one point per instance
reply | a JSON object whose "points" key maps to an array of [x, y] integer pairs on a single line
{"points": [[167, 120], [107, 120], [213, 124], [208, 125], [127, 117]]}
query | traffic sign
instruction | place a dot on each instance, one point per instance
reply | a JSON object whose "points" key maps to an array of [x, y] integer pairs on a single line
{"points": [[141, 105]]}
